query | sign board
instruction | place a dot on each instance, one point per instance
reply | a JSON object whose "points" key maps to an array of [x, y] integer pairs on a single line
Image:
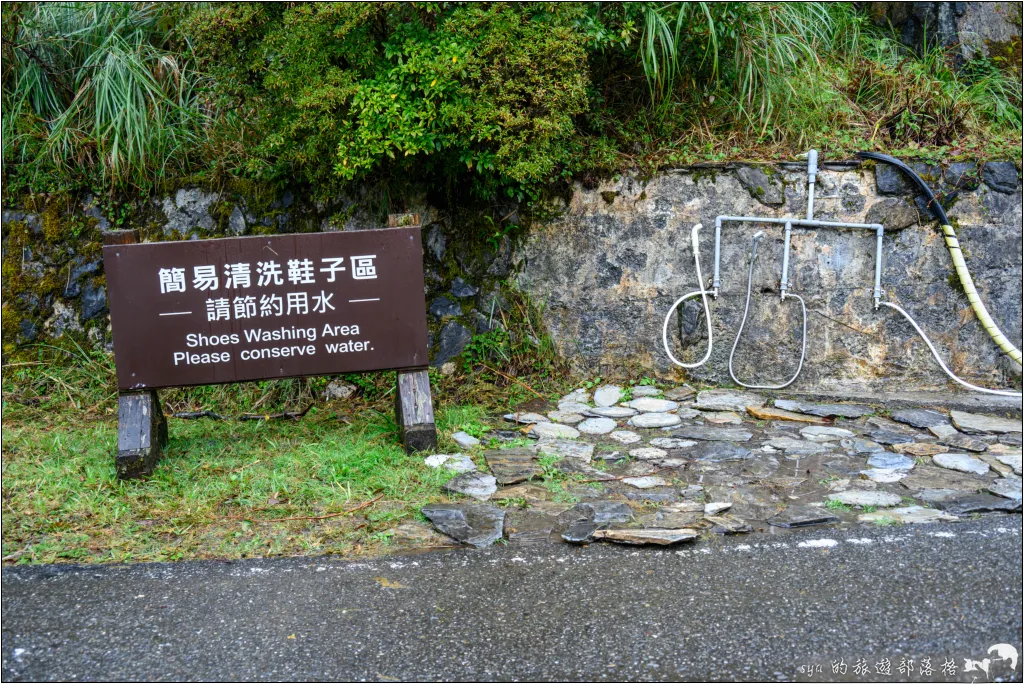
{"points": [[227, 310]]}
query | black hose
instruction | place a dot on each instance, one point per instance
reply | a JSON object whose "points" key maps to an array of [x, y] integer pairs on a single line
{"points": [[933, 202]]}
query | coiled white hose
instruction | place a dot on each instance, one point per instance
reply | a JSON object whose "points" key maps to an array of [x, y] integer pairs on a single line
{"points": [[707, 310], [935, 353], [746, 310]]}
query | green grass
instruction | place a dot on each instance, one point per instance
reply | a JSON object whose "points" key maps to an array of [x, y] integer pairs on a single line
{"points": [[216, 482], [885, 521], [835, 505]]}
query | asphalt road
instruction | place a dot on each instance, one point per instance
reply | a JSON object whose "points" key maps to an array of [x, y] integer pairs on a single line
{"points": [[753, 608]]}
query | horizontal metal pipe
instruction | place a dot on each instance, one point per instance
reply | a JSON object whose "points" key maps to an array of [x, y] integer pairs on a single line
{"points": [[807, 223]]}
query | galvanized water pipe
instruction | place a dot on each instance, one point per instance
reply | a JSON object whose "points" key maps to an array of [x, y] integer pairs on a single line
{"points": [[808, 223], [812, 173]]}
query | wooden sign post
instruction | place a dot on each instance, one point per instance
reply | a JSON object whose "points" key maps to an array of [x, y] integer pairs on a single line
{"points": [[254, 308], [414, 408], [141, 424]]}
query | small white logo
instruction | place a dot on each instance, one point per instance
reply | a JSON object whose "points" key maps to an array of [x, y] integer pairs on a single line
{"points": [[1003, 652], [975, 665]]}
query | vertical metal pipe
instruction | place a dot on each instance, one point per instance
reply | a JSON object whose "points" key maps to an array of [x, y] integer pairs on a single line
{"points": [[812, 173], [718, 258], [784, 285], [878, 265]]}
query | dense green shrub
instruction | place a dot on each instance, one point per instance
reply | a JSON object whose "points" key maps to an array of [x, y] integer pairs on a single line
{"points": [[472, 101], [330, 93]]}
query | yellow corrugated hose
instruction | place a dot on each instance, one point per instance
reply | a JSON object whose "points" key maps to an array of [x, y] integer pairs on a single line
{"points": [[972, 295]]}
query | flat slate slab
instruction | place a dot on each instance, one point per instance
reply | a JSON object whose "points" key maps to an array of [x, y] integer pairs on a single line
{"points": [[931, 477], [920, 418], [654, 420], [565, 417], [728, 524], [653, 536], [979, 503], [825, 410], [891, 461], [722, 417], [863, 446], [802, 516], [646, 482], [825, 433], [651, 405], [608, 395], [597, 512], [563, 448], [596, 426], [681, 393], [574, 407], [528, 527], [577, 395], [713, 434], [796, 446], [525, 418], [866, 497], [580, 533], [672, 443], [610, 412], [717, 452], [962, 463], [965, 442], [465, 440], [727, 400], [977, 423], [624, 436], [919, 449], [1012, 460], [648, 453], [473, 524], [457, 463], [546, 430], [769, 413], [511, 466], [944, 430], [884, 475], [477, 485], [908, 515], [934, 496], [890, 437], [1008, 487]]}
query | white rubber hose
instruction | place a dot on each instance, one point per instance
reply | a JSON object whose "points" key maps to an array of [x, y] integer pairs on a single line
{"points": [[707, 310], [746, 310], [935, 353]]}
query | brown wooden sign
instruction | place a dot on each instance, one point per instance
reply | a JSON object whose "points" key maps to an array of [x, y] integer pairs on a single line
{"points": [[217, 311]]}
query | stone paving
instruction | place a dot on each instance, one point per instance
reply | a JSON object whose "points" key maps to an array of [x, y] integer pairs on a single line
{"points": [[644, 466]]}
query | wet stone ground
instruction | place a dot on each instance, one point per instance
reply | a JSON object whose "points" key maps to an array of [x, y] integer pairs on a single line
{"points": [[645, 466]]}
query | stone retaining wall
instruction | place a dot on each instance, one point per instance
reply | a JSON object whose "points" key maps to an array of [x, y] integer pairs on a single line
{"points": [[609, 269]]}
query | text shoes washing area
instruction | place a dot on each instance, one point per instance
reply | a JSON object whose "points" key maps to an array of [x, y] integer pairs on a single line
{"points": [[789, 223]]}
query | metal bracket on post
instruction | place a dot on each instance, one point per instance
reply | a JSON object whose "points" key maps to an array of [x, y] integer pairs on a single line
{"points": [[141, 425], [414, 407]]}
